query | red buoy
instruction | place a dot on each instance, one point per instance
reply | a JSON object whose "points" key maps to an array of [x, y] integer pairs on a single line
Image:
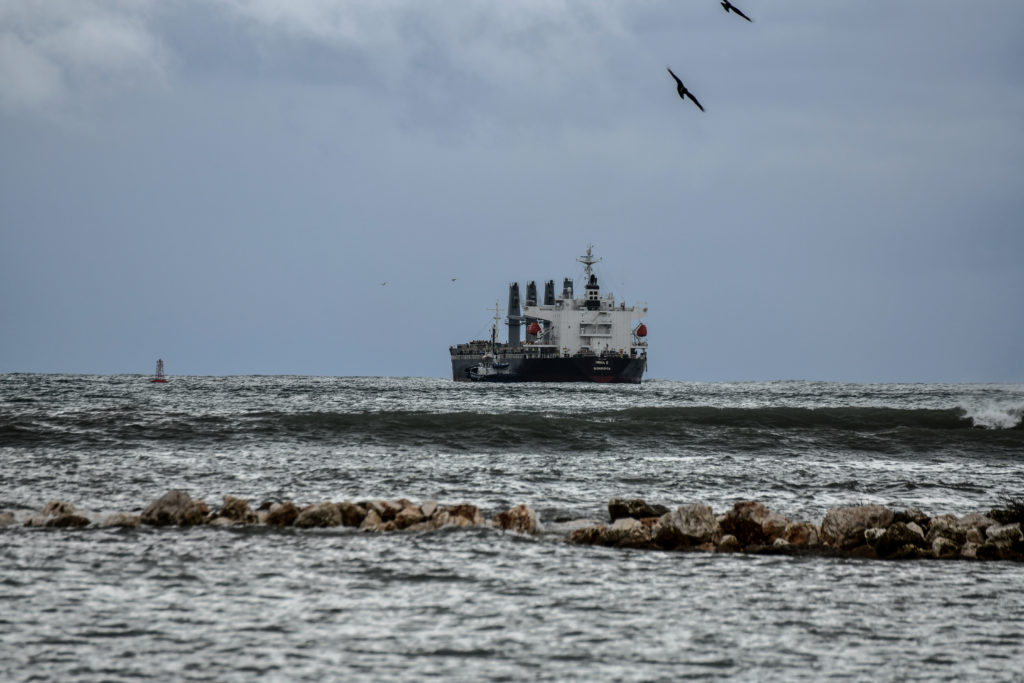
{"points": [[159, 377], [641, 331], [533, 328]]}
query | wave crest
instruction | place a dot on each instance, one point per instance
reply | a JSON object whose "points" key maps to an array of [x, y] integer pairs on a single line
{"points": [[994, 414]]}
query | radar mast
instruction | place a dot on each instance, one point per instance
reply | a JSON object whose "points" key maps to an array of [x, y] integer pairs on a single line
{"points": [[588, 261]]}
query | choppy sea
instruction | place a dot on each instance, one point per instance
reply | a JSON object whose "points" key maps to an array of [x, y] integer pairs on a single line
{"points": [[473, 604]]}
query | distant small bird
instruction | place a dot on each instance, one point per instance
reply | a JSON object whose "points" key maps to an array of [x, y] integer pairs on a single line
{"points": [[382, 284], [454, 279], [728, 6], [683, 92]]}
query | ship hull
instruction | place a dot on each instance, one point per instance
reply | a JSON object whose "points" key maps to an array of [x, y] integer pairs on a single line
{"points": [[602, 369]]}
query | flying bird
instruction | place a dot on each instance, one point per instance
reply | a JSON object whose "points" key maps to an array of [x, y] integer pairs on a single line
{"points": [[683, 92], [729, 7]]}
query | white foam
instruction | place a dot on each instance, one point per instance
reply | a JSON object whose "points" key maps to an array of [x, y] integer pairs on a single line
{"points": [[994, 414]]}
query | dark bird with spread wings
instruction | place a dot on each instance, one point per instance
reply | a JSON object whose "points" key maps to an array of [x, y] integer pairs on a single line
{"points": [[683, 92], [729, 7]]}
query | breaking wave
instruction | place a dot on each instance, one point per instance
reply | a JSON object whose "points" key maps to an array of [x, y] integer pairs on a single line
{"points": [[994, 414], [653, 426], [652, 421]]}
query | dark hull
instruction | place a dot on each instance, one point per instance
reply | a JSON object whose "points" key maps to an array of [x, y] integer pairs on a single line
{"points": [[608, 369]]}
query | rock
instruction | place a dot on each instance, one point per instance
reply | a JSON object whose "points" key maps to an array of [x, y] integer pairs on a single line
{"points": [[844, 527], [1012, 512], [282, 514], [969, 550], [121, 519], [975, 536], [68, 521], [236, 511], [519, 519], [372, 521], [588, 535], [428, 508], [319, 515], [893, 538], [946, 526], [57, 508], [387, 509], [753, 524], [975, 520], [194, 514], [944, 548], [777, 547], [1013, 553], [352, 514], [909, 552], [801, 534], [1009, 539], [636, 508], [460, 515], [1004, 533], [911, 515], [987, 551], [7, 518], [628, 532], [408, 516], [169, 508], [687, 525], [729, 544], [871, 536], [863, 552]]}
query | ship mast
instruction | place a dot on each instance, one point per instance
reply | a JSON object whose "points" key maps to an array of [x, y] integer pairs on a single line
{"points": [[494, 327], [588, 261]]}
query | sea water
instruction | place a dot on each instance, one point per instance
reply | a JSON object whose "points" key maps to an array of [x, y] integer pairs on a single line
{"points": [[241, 603]]}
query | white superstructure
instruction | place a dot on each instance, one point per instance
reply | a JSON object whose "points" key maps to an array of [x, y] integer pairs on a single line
{"points": [[593, 324]]}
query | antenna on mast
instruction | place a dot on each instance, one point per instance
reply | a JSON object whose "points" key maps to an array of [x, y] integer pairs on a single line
{"points": [[588, 260], [494, 327]]}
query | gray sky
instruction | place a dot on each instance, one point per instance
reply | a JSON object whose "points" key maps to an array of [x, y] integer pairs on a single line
{"points": [[226, 184]]}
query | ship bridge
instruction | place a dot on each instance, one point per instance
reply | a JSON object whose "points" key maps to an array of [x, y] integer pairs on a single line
{"points": [[592, 324]]}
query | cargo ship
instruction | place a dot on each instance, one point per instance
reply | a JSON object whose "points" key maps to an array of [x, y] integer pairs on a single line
{"points": [[567, 339]]}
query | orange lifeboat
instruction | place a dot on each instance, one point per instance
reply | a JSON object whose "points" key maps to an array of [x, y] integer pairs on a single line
{"points": [[533, 328], [641, 331]]}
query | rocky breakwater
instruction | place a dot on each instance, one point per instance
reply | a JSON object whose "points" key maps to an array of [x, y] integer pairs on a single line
{"points": [[178, 508], [866, 531]]}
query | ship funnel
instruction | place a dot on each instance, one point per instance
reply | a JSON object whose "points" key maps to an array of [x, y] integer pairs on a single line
{"points": [[531, 294], [549, 293], [514, 315], [567, 288]]}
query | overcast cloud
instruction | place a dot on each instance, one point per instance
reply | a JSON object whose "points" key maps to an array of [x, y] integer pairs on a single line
{"points": [[227, 184]]}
